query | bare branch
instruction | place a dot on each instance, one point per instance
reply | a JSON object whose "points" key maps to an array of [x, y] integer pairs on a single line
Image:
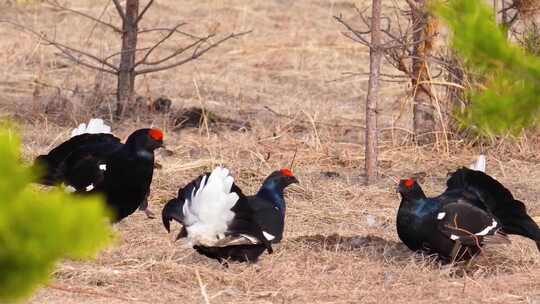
{"points": [[82, 53], [357, 33], [120, 53], [180, 51], [506, 9], [381, 74], [119, 9], [413, 5], [389, 77], [358, 39], [76, 60], [198, 52], [103, 11], [57, 5], [150, 2], [401, 44], [362, 17], [67, 49], [165, 29], [512, 20], [155, 46], [351, 29]]}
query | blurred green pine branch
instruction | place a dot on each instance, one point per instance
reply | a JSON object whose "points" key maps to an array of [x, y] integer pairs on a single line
{"points": [[510, 99], [39, 228]]}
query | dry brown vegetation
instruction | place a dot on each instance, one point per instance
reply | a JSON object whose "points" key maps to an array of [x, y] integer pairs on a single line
{"points": [[340, 243]]}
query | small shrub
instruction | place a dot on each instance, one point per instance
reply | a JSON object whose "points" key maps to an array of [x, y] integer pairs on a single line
{"points": [[39, 228]]}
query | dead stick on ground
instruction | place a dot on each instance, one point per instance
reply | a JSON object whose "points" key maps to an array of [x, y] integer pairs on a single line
{"points": [[202, 287]]}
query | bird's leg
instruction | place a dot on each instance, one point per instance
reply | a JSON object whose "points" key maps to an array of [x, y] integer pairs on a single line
{"points": [[144, 207], [267, 245], [470, 263], [181, 234], [455, 251], [223, 262]]}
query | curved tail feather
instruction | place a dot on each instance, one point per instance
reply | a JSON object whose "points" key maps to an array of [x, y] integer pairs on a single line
{"points": [[95, 126], [207, 212], [172, 211], [492, 193], [479, 164], [496, 199]]}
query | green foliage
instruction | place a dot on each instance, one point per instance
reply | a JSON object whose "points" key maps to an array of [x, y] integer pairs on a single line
{"points": [[38, 228], [509, 102]]}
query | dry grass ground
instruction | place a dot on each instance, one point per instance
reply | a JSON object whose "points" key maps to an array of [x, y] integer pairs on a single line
{"points": [[340, 243]]}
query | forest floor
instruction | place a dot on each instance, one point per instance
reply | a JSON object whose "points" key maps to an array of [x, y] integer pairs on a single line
{"points": [[284, 83]]}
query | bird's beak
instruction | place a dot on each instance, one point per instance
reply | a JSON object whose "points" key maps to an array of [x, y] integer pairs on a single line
{"points": [[294, 180], [168, 152]]}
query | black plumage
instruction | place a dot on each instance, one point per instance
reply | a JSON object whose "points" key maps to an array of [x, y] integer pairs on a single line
{"points": [[61, 164], [100, 163], [258, 220], [474, 210], [496, 199]]}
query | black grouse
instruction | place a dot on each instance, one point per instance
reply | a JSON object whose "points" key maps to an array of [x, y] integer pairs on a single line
{"points": [[222, 223], [93, 161], [474, 210]]}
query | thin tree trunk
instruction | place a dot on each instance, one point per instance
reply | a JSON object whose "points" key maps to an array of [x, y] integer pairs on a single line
{"points": [[505, 20], [423, 110], [375, 56], [126, 74]]}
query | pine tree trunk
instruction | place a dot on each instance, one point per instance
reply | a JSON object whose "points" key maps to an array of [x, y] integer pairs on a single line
{"points": [[375, 56], [126, 75], [423, 110]]}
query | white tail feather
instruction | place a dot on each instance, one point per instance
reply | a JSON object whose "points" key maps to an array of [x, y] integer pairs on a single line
{"points": [[479, 164], [95, 126], [208, 212]]}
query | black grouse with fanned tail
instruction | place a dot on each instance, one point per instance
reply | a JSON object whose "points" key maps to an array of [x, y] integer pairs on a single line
{"points": [[474, 210], [495, 199], [100, 163], [450, 226], [224, 224]]}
